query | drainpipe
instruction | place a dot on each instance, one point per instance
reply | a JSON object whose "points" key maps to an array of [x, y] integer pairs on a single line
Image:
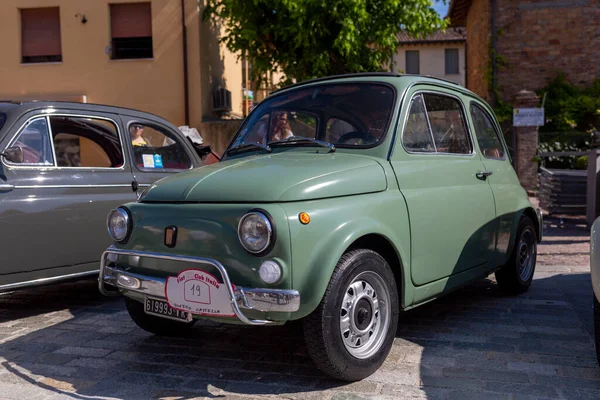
{"points": [[185, 65], [494, 50]]}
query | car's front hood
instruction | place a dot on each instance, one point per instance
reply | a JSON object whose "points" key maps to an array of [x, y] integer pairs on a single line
{"points": [[285, 176]]}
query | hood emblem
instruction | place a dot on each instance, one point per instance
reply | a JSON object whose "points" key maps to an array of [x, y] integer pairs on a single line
{"points": [[170, 236]]}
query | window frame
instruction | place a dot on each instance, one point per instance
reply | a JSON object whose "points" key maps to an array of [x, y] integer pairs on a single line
{"points": [[474, 104], [391, 120], [418, 53], [465, 123], [47, 116], [112, 56], [60, 34], [457, 61], [160, 128]]}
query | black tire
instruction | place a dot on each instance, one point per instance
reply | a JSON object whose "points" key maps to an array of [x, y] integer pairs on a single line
{"points": [[597, 327], [322, 328], [516, 275], [156, 325]]}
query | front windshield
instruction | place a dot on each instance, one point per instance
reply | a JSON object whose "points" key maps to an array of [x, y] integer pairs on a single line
{"points": [[343, 114]]}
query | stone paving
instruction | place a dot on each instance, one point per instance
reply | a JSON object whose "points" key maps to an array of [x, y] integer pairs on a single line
{"points": [[67, 341]]}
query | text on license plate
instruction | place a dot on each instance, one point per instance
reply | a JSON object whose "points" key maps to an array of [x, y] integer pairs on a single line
{"points": [[163, 309]]}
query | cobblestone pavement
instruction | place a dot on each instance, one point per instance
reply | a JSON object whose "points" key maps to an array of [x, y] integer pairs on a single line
{"points": [[67, 341]]}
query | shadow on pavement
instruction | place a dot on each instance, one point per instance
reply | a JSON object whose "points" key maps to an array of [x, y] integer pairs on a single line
{"points": [[68, 340]]}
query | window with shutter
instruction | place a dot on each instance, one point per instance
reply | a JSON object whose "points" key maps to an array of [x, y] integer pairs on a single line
{"points": [[131, 30], [40, 35], [451, 61], [412, 61]]}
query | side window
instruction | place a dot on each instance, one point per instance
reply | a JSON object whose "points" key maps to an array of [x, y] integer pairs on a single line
{"points": [[154, 148], [447, 123], [416, 136], [487, 136], [81, 142], [34, 141]]}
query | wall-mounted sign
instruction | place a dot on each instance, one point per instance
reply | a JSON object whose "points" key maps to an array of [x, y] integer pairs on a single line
{"points": [[528, 116]]}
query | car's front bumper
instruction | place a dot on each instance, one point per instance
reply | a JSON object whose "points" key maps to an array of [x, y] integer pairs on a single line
{"points": [[257, 299]]}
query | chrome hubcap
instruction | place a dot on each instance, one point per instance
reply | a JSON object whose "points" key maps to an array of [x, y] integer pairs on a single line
{"points": [[526, 255], [365, 315]]}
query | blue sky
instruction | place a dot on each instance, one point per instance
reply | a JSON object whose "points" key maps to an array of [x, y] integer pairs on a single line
{"points": [[440, 7]]}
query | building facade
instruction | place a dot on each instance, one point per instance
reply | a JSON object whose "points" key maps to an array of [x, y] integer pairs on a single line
{"points": [[156, 55], [440, 54], [534, 40]]}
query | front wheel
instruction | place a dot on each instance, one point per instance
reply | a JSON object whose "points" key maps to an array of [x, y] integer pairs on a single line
{"points": [[352, 330], [156, 325]]}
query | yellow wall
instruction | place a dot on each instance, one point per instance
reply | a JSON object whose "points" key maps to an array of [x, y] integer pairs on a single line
{"points": [[155, 85], [432, 60]]}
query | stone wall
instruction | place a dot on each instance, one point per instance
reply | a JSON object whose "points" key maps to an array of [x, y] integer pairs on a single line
{"points": [[478, 40], [539, 38], [218, 134]]}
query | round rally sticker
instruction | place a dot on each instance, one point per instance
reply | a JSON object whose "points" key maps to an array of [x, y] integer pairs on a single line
{"points": [[198, 292]]}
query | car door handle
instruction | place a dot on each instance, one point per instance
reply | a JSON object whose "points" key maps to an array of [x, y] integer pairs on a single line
{"points": [[483, 175], [5, 187]]}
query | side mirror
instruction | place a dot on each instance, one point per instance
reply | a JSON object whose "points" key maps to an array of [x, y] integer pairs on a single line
{"points": [[13, 154]]}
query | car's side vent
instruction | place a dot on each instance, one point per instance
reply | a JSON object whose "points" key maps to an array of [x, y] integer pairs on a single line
{"points": [[221, 100]]}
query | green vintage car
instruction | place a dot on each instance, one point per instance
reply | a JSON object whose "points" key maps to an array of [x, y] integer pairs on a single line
{"points": [[340, 201]]}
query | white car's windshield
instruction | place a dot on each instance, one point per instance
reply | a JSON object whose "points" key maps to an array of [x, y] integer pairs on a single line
{"points": [[342, 115]]}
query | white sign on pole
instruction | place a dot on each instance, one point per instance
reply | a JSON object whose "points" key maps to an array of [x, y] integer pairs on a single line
{"points": [[528, 116]]}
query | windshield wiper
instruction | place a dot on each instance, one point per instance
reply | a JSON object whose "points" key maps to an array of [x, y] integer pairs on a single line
{"points": [[296, 139], [247, 146]]}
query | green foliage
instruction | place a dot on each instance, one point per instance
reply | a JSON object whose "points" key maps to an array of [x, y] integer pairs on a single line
{"points": [[312, 38], [570, 108], [572, 121], [551, 142]]}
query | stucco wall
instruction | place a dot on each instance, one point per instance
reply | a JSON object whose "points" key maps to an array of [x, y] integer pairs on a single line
{"points": [[219, 133], [432, 60], [154, 85], [151, 85]]}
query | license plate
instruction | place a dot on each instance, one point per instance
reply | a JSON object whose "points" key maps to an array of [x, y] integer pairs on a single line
{"points": [[162, 309], [199, 293]]}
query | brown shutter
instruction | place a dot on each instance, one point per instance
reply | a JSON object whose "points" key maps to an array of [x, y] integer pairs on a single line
{"points": [[40, 32], [130, 20]]}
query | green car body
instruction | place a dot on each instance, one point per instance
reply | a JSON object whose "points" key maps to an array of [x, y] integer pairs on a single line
{"points": [[437, 221]]}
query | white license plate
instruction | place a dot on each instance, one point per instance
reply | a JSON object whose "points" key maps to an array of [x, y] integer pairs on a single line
{"points": [[161, 308]]}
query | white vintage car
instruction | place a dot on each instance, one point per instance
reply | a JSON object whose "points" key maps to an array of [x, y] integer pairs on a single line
{"points": [[595, 271]]}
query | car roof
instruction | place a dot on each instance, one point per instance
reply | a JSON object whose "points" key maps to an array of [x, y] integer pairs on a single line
{"points": [[406, 79], [21, 107]]}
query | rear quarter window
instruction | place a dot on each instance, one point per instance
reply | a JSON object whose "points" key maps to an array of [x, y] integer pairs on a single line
{"points": [[2, 120]]}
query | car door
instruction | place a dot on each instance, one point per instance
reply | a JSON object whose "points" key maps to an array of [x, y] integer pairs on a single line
{"points": [[503, 178], [451, 210], [156, 150], [56, 198]]}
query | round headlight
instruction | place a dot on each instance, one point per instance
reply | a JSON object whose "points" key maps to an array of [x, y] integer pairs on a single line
{"points": [[118, 224], [255, 232]]}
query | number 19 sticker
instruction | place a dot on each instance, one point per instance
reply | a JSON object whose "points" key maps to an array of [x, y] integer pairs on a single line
{"points": [[198, 292]]}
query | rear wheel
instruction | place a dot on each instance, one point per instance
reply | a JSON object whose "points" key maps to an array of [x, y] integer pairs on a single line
{"points": [[351, 332], [157, 325], [516, 275]]}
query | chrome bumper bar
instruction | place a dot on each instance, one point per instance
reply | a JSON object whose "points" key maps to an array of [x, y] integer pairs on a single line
{"points": [[264, 300]]}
